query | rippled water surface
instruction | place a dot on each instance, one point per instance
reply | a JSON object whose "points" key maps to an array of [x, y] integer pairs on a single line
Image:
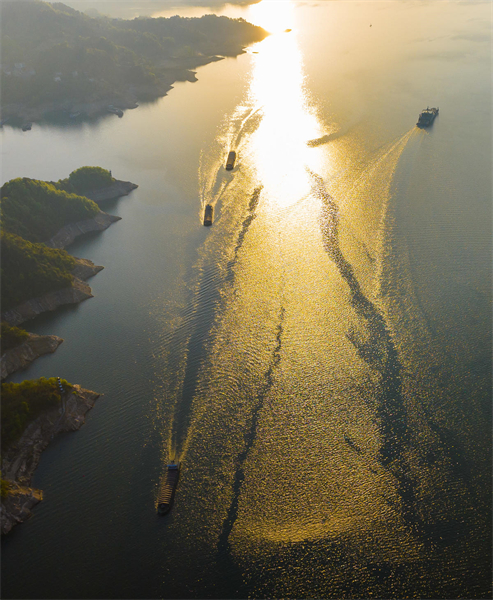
{"points": [[319, 359]]}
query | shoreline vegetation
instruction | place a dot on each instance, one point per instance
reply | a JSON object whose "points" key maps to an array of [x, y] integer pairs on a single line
{"points": [[39, 219], [58, 61], [19, 348], [33, 413]]}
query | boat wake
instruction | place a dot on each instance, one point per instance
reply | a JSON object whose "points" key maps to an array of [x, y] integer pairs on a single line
{"points": [[380, 353], [213, 176], [223, 545], [252, 207]]}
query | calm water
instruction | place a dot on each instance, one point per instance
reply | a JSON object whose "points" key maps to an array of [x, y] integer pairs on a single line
{"points": [[319, 359]]}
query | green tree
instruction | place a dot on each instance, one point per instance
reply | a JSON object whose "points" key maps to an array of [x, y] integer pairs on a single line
{"points": [[31, 270], [24, 402], [36, 210], [86, 179], [11, 336]]}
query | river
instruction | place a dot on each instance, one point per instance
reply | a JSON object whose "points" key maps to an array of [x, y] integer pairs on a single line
{"points": [[319, 359]]}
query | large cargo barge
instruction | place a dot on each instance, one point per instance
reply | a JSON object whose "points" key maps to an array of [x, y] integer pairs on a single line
{"points": [[208, 215], [230, 163], [427, 117], [168, 488]]}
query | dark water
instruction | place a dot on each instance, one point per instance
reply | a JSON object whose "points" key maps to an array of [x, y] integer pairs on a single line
{"points": [[319, 359]]}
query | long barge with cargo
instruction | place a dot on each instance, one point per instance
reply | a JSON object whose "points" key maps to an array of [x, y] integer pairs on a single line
{"points": [[208, 215], [230, 163], [168, 488]]}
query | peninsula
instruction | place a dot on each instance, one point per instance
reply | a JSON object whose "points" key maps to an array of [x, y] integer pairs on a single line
{"points": [[39, 219], [33, 412], [58, 60], [20, 348]]}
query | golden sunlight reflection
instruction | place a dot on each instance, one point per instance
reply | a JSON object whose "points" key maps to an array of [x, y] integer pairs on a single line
{"points": [[279, 146], [273, 15]]}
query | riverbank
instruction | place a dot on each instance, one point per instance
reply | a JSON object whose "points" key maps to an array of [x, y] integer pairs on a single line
{"points": [[68, 234], [174, 70], [21, 459], [117, 189], [22, 355], [78, 292]]}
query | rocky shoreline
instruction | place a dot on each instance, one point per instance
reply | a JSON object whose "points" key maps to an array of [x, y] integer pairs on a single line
{"points": [[78, 292], [20, 460], [70, 232], [175, 70], [22, 355], [24, 113], [19, 357], [110, 192]]}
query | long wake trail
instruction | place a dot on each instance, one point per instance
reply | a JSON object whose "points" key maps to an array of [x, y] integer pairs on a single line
{"points": [[223, 545], [380, 353]]}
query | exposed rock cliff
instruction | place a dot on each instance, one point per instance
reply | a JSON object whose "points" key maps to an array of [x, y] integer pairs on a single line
{"points": [[85, 268], [115, 190], [77, 293], [19, 357], [70, 232], [21, 460]]}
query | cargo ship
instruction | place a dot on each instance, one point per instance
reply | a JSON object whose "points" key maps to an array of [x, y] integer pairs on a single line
{"points": [[427, 117], [230, 163], [168, 488], [208, 214]]}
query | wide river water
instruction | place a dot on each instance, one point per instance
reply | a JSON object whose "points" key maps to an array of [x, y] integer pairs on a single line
{"points": [[319, 359]]}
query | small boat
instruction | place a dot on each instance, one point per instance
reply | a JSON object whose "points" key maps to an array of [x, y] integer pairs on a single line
{"points": [[208, 214], [74, 115], [27, 126], [427, 117], [168, 488], [231, 160]]}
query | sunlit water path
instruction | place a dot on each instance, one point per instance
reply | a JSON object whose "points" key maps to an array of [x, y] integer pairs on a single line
{"points": [[318, 358]]}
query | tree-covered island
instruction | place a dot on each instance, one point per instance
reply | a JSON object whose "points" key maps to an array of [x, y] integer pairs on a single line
{"points": [[55, 58]]}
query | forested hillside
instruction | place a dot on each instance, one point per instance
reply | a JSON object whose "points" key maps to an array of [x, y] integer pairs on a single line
{"points": [[33, 211], [23, 402], [53, 52], [11, 337], [36, 210], [31, 270]]}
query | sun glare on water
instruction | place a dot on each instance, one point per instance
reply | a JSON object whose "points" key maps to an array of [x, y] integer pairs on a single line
{"points": [[273, 15], [279, 145]]}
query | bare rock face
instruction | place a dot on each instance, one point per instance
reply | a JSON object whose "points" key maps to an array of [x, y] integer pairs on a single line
{"points": [[20, 460], [19, 357], [69, 233], [16, 508], [85, 269], [73, 295], [115, 190]]}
